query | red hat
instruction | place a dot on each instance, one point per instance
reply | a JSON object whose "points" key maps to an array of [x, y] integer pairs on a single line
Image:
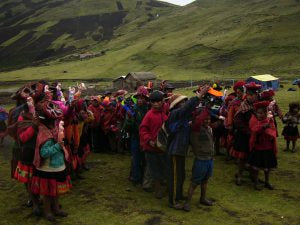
{"points": [[267, 94], [239, 85], [261, 104], [49, 109], [252, 86], [120, 93], [96, 98], [142, 91]]}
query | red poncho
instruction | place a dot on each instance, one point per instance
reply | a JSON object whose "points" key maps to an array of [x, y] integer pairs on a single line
{"points": [[262, 138]]}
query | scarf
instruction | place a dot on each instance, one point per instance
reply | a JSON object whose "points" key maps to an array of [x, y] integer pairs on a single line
{"points": [[245, 107]]}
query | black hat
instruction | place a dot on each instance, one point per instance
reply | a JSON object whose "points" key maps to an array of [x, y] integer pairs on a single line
{"points": [[156, 96], [107, 93], [169, 87]]}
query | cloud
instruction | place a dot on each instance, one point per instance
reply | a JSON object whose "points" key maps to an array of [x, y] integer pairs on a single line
{"points": [[178, 2]]}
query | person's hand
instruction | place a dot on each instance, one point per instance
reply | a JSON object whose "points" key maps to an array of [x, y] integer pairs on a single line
{"points": [[75, 151], [152, 144], [203, 90], [36, 121]]}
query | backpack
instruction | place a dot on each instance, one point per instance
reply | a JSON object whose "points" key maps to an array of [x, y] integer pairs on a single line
{"points": [[162, 139], [166, 133]]}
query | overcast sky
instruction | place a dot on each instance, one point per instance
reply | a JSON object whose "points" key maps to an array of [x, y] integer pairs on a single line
{"points": [[178, 2]]}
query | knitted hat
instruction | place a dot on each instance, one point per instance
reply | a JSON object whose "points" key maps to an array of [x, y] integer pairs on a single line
{"points": [[175, 99], [142, 91], [49, 109], [267, 94], [156, 96], [261, 104], [239, 85], [96, 98]]}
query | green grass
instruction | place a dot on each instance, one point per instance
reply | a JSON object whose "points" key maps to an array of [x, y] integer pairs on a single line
{"points": [[107, 197]]}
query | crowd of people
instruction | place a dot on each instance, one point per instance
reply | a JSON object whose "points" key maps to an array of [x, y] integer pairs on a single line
{"points": [[55, 130]]}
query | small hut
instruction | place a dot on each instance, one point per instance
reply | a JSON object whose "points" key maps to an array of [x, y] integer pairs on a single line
{"points": [[267, 81], [118, 83], [133, 79]]}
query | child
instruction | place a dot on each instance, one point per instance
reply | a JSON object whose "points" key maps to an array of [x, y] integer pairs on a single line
{"points": [[50, 177], [3, 126], [290, 131], [149, 128], [262, 144], [273, 108], [131, 124], [203, 148], [178, 127]]}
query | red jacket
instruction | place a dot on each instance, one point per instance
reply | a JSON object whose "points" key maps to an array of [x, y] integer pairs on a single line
{"points": [[262, 138], [150, 127], [25, 134], [96, 113], [108, 121]]}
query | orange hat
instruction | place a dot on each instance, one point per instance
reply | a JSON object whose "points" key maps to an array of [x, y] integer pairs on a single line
{"points": [[215, 92]]}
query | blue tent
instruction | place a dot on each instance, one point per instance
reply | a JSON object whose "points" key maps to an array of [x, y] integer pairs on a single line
{"points": [[296, 82], [267, 81]]}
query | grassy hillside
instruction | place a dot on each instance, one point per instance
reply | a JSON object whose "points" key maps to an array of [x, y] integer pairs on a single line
{"points": [[32, 31], [105, 196], [222, 38]]}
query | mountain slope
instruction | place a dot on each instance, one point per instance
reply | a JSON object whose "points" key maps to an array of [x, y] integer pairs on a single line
{"points": [[34, 30], [224, 37]]}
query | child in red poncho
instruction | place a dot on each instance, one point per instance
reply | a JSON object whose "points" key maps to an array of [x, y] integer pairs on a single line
{"points": [[262, 144]]}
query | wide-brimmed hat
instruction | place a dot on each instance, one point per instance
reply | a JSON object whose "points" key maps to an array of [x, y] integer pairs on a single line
{"points": [[120, 93], [252, 87], [175, 99]]}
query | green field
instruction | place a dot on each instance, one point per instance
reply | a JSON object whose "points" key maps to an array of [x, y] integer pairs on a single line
{"points": [[107, 197]]}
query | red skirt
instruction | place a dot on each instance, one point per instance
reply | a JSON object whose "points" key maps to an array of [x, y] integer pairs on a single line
{"points": [[23, 173], [237, 154], [50, 183]]}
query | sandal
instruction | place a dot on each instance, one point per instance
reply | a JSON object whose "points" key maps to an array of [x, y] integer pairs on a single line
{"points": [[37, 211], [60, 213], [187, 207], [269, 186], [176, 206], [50, 217], [256, 187], [238, 181], [206, 202]]}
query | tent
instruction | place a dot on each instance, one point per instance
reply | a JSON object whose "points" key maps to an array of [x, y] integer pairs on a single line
{"points": [[267, 81]]}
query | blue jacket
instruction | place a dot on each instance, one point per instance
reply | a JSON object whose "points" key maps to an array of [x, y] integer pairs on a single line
{"points": [[179, 129], [53, 151]]}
